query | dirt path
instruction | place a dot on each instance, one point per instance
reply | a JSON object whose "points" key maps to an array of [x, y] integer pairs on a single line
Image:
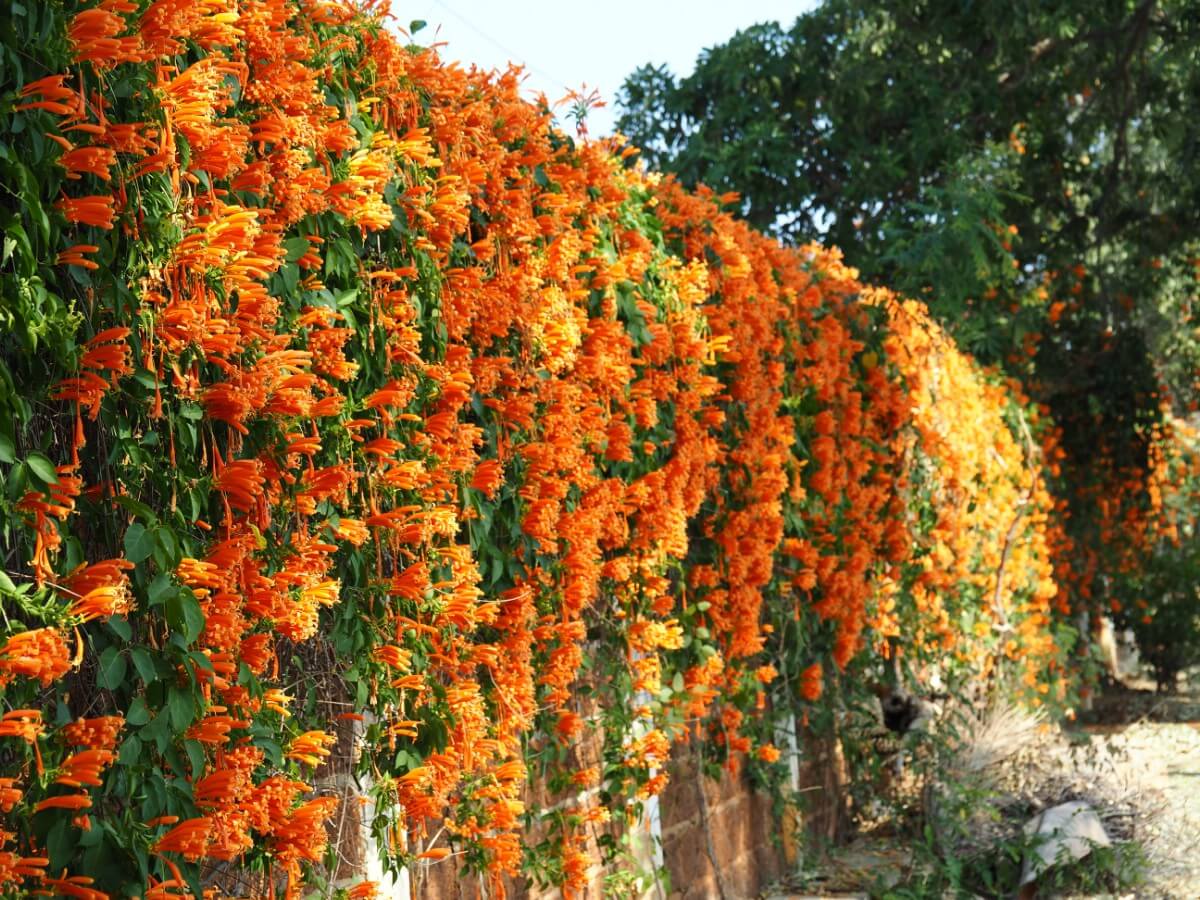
{"points": [[1169, 756], [1161, 737], [1155, 744]]}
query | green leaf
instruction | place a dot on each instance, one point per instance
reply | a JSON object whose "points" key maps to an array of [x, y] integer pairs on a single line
{"points": [[416, 25], [296, 247], [146, 379], [42, 468], [7, 449], [26, 258], [290, 273], [139, 543], [185, 616], [195, 754], [138, 508], [166, 547], [144, 663], [61, 843], [131, 750], [137, 714], [271, 750], [181, 707], [120, 626], [161, 588], [159, 731], [91, 837], [112, 669]]}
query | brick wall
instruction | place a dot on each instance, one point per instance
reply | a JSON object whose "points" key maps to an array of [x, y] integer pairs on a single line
{"points": [[733, 824], [745, 840]]}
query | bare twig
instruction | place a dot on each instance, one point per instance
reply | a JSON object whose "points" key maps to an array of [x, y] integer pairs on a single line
{"points": [[1032, 458]]}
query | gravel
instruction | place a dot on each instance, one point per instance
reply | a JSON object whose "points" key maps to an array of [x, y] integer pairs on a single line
{"points": [[1166, 757]]}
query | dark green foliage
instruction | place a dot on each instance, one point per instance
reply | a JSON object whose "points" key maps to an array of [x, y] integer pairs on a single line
{"points": [[1170, 639], [902, 132]]}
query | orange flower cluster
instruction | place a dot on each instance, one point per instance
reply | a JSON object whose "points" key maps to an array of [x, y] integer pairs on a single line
{"points": [[1131, 509], [39, 653], [1144, 517], [986, 578], [90, 747], [453, 416]]}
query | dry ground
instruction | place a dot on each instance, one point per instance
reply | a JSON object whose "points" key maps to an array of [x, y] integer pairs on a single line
{"points": [[1156, 741]]}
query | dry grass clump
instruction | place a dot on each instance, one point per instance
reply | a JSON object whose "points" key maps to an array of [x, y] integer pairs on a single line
{"points": [[999, 770]]}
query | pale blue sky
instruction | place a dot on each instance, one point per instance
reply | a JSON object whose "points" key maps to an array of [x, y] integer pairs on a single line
{"points": [[567, 44]]}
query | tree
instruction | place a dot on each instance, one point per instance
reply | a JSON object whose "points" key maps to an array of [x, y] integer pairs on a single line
{"points": [[1028, 169]]}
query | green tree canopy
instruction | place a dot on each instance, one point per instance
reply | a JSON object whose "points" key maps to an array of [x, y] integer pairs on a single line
{"points": [[1027, 168]]}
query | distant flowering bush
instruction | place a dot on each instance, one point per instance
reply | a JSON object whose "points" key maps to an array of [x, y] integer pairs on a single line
{"points": [[346, 398], [1152, 587]]}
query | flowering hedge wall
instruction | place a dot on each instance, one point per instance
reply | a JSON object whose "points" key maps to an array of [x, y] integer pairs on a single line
{"points": [[344, 395]]}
